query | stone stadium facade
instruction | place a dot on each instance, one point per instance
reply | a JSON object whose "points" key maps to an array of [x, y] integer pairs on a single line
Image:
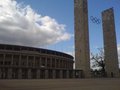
{"points": [[22, 62]]}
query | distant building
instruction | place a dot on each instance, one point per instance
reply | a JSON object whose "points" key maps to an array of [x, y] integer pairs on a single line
{"points": [[82, 55], [110, 45], [21, 62]]}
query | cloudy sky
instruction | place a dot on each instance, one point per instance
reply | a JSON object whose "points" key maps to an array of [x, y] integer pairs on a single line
{"points": [[21, 24], [50, 23]]}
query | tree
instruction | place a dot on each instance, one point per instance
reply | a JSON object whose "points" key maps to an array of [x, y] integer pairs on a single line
{"points": [[98, 62]]}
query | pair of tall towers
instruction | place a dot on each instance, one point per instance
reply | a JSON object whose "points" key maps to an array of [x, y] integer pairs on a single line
{"points": [[82, 51]]}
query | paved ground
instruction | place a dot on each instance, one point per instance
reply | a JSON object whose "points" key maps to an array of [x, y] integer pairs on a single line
{"points": [[61, 84]]}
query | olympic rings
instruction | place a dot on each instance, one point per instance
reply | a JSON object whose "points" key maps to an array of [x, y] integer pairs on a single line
{"points": [[95, 20]]}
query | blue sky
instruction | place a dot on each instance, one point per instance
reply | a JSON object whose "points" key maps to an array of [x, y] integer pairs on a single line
{"points": [[95, 9], [60, 10], [63, 12]]}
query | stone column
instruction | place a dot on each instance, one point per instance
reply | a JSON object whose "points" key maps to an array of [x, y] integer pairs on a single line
{"points": [[4, 59], [45, 62], [9, 74], [29, 74], [39, 62], [54, 74], [20, 60], [27, 62], [82, 52], [110, 44], [62, 63], [46, 74], [58, 63], [34, 61], [55, 63], [73, 74], [61, 74], [77, 74], [12, 60], [20, 74], [67, 72], [50, 62], [4, 76], [0, 74], [38, 74]]}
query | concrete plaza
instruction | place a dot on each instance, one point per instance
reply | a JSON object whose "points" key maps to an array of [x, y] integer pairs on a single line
{"points": [[61, 84]]}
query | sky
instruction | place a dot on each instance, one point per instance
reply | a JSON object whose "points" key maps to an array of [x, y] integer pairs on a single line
{"points": [[50, 23]]}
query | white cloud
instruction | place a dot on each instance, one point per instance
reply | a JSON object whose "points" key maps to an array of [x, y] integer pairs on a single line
{"points": [[22, 25]]}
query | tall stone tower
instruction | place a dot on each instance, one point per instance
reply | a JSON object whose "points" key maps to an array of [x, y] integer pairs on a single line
{"points": [[110, 46], [82, 57]]}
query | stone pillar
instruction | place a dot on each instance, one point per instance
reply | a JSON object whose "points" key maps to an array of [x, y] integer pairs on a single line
{"points": [[45, 62], [54, 74], [110, 44], [67, 72], [9, 74], [34, 61], [4, 74], [62, 63], [46, 74], [58, 63], [82, 51], [0, 74], [50, 62], [4, 59], [29, 74], [73, 73], [38, 74], [55, 63], [77, 74], [20, 60], [61, 74], [27, 62], [20, 74], [12, 60]]}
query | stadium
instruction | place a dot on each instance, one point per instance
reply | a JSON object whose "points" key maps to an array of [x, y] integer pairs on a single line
{"points": [[22, 62]]}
